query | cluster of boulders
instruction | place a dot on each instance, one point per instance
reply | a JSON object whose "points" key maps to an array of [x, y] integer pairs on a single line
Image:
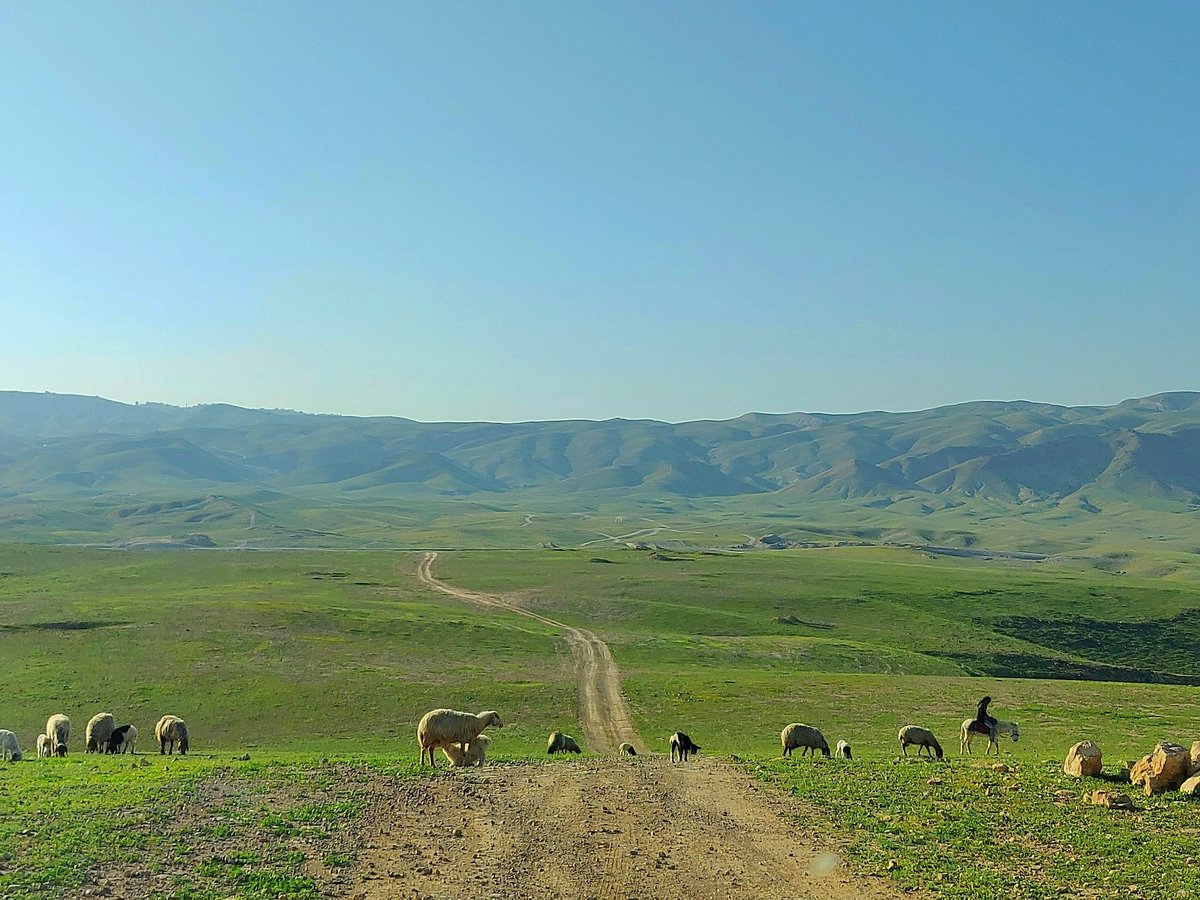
{"points": [[1168, 767]]}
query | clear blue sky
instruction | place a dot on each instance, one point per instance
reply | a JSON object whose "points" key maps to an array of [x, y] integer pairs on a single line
{"points": [[558, 210]]}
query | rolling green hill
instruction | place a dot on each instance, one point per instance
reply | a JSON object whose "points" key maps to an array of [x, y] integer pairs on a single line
{"points": [[1014, 476]]}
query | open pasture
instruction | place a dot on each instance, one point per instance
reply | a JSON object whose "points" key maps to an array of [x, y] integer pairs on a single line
{"points": [[318, 665]]}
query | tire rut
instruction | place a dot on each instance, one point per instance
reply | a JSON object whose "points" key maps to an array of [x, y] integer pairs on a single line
{"points": [[596, 828], [604, 714]]}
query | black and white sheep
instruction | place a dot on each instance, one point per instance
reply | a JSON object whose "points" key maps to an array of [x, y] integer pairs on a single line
{"points": [[10, 750], [440, 728], [123, 740], [561, 743], [799, 735], [58, 730], [627, 749], [99, 730], [915, 735], [683, 745], [473, 754], [843, 750], [171, 730]]}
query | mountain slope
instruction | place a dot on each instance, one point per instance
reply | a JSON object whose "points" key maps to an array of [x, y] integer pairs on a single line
{"points": [[83, 453]]}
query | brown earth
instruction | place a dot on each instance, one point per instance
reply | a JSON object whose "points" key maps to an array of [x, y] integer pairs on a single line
{"points": [[595, 828], [615, 827], [604, 714]]}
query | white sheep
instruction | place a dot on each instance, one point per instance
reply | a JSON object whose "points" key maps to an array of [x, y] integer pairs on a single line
{"points": [[561, 743], [800, 735], [474, 754], [915, 735], [9, 748], [171, 730], [123, 740], [58, 730], [441, 727], [843, 750], [99, 730], [44, 748], [627, 749]]}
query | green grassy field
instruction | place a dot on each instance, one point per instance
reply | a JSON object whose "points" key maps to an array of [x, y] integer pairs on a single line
{"points": [[293, 657]]}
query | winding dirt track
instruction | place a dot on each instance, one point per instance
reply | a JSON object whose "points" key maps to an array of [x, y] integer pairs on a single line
{"points": [[613, 827], [604, 713]]}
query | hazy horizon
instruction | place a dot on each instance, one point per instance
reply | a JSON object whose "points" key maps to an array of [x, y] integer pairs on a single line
{"points": [[678, 211], [709, 418]]}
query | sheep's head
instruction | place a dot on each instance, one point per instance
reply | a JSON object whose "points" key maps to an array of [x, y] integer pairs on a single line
{"points": [[825, 751], [183, 743], [938, 751], [60, 750], [1016, 733], [491, 719]]}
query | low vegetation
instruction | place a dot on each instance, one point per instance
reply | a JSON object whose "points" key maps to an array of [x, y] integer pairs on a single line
{"points": [[318, 665], [959, 830]]}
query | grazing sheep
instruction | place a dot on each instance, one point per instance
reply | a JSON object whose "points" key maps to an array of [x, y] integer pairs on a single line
{"points": [[561, 743], [442, 727], [915, 735], [123, 740], [44, 748], [171, 730], [99, 730], [800, 735], [58, 730], [683, 745], [474, 754], [627, 749], [9, 748], [843, 750]]}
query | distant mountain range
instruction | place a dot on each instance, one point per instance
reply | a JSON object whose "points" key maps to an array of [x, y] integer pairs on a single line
{"points": [[72, 454]]}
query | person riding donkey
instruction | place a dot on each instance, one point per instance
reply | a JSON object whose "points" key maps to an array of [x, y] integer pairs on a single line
{"points": [[984, 723]]}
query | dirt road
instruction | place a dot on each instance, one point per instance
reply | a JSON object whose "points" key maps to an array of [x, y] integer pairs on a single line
{"points": [[604, 714], [594, 828], [597, 828]]}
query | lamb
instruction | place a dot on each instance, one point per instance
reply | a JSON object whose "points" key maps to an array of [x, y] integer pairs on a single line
{"points": [[443, 727], [683, 745], [99, 730], [171, 730], [921, 737], [561, 743], [627, 749], [9, 748], [800, 735], [44, 749], [843, 750], [474, 754], [58, 730], [123, 740]]}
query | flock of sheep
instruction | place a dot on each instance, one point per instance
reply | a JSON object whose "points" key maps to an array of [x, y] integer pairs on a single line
{"points": [[102, 735], [459, 735]]}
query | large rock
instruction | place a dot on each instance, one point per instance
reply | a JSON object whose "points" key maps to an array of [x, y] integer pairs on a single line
{"points": [[1083, 759], [1191, 786], [1165, 769]]}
